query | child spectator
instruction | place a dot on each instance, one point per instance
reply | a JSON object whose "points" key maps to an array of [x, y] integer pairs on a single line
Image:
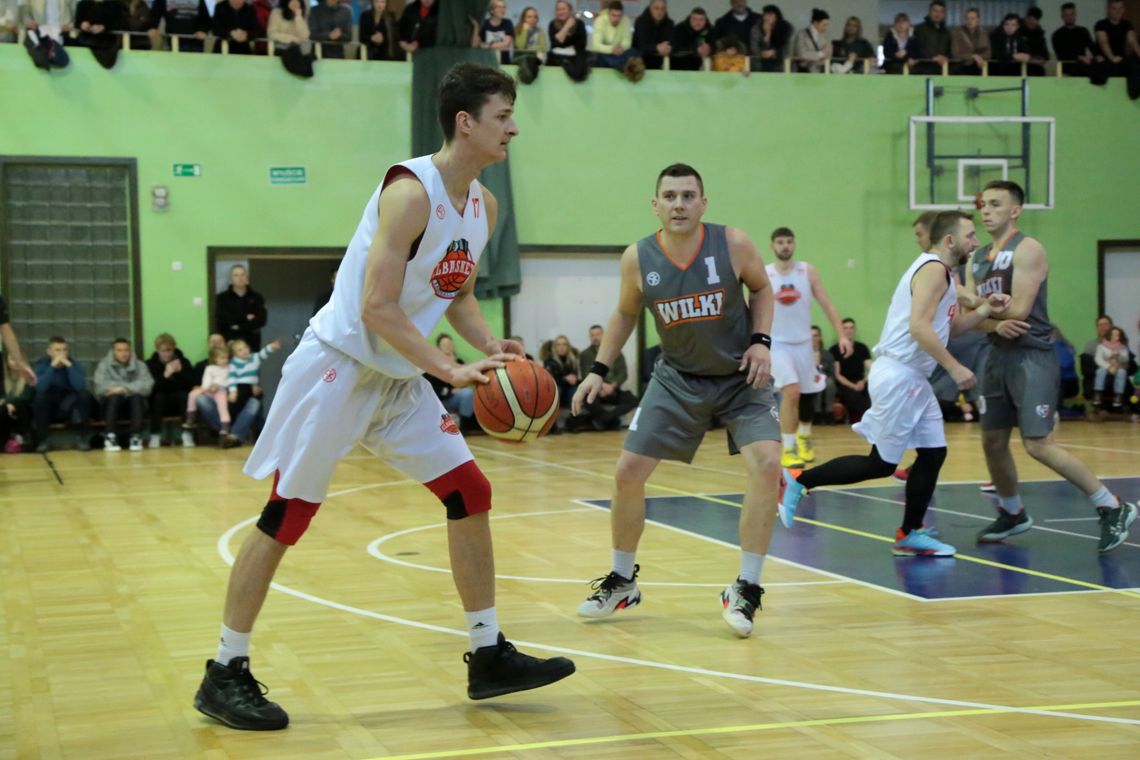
{"points": [[728, 56], [215, 384], [245, 366], [1112, 359]]}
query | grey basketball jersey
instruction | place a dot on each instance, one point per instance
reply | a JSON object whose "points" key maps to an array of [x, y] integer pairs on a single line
{"points": [[702, 318], [993, 273]]}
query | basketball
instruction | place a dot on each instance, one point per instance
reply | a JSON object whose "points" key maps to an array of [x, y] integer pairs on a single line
{"points": [[519, 404]]}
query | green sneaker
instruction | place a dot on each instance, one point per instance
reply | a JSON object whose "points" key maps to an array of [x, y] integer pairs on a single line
{"points": [[1114, 525]]}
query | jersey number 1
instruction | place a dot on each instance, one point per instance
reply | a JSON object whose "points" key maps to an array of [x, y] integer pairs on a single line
{"points": [[710, 262]]}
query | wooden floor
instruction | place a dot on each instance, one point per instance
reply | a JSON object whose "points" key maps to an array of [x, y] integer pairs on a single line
{"points": [[113, 582]]}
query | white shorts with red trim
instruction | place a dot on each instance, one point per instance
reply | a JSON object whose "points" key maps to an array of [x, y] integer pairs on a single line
{"points": [[794, 363]]}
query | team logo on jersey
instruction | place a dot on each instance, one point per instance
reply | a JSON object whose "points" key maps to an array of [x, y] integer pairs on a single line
{"points": [[653, 278], [694, 308], [788, 295], [440, 211], [330, 375], [452, 270], [1043, 411], [447, 424]]}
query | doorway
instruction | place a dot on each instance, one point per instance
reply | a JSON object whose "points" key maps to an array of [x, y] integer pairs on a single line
{"points": [[1118, 262]]}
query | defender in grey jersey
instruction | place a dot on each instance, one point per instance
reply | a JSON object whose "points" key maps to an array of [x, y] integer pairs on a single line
{"points": [[1021, 382], [714, 362]]}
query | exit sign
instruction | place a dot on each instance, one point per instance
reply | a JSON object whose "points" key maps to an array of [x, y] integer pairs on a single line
{"points": [[187, 170], [287, 175]]}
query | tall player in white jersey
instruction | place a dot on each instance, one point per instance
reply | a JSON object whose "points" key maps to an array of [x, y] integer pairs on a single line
{"points": [[904, 412], [795, 284], [357, 377]]}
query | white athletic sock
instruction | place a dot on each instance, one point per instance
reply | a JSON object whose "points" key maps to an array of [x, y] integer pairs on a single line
{"points": [[1104, 498], [623, 563], [232, 644], [789, 440], [1011, 504], [483, 628], [750, 566], [804, 429]]}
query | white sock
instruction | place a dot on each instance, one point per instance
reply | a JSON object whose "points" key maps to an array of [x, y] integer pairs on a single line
{"points": [[789, 440], [232, 644], [483, 628], [1011, 504], [804, 429], [623, 563], [1104, 498], [750, 566]]}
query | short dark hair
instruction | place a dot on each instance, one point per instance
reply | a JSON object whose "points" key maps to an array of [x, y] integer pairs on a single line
{"points": [[467, 87], [945, 223], [57, 339], [936, 2], [818, 14], [1009, 16], [596, 327], [1035, 12], [783, 232], [901, 17], [1105, 316], [1012, 188], [117, 341], [848, 319], [680, 170], [615, 5], [926, 218], [1068, 6]]}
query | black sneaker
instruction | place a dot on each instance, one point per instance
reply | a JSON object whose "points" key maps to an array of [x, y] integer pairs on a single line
{"points": [[1114, 525], [1004, 526], [501, 669], [740, 602], [230, 694]]}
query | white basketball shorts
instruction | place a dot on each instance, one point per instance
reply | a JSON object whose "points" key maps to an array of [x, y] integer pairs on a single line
{"points": [[904, 413], [794, 363]]}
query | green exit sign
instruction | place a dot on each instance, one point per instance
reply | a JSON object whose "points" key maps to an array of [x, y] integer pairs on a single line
{"points": [[187, 170], [287, 175]]}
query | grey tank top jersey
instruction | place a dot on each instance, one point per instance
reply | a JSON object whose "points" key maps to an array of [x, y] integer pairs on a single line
{"points": [[993, 273], [702, 318]]}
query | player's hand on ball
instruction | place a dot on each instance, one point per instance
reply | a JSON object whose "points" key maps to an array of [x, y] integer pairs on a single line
{"points": [[512, 347], [1012, 328], [470, 374], [586, 393], [998, 302], [963, 377], [757, 361]]}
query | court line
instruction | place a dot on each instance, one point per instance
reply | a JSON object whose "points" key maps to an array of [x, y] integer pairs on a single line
{"points": [[374, 550], [717, 730], [1098, 448], [1071, 519]]}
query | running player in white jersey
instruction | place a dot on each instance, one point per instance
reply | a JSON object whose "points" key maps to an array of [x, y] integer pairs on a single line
{"points": [[1021, 381], [356, 377], [795, 284], [904, 412]]}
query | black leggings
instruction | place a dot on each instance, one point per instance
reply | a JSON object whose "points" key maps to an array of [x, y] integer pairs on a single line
{"points": [[807, 407]]}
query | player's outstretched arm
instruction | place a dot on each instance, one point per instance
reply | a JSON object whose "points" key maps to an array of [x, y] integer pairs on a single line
{"points": [[749, 268], [819, 293], [618, 329], [927, 287]]}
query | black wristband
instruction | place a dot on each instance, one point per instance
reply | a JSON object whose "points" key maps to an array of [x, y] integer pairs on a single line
{"points": [[599, 369], [764, 339]]}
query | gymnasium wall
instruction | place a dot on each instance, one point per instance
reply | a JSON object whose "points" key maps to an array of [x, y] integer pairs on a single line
{"points": [[824, 155]]}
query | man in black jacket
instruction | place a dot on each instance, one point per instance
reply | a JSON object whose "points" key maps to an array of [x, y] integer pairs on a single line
{"points": [[652, 34], [738, 23], [1074, 43], [173, 379], [239, 310], [933, 40]]}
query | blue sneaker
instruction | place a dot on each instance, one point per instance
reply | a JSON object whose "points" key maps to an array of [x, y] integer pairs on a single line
{"points": [[791, 492], [919, 543]]}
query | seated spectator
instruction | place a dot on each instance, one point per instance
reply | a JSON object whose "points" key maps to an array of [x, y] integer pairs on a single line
{"points": [[189, 20], [970, 45], [850, 51], [330, 23], [9, 20], [1067, 360], [1073, 45], [851, 374], [568, 42], [245, 371], [728, 56], [531, 45], [519, 339], [899, 46], [99, 23], [652, 34], [460, 401], [16, 404], [1112, 357], [825, 365], [1087, 357], [379, 33], [61, 394], [418, 25], [496, 32], [1035, 43], [1116, 39], [770, 40], [561, 360], [811, 49], [612, 402], [691, 42], [215, 340], [236, 22], [287, 25], [737, 22], [173, 380], [1009, 47], [138, 23], [210, 398], [933, 41], [612, 43], [121, 379]]}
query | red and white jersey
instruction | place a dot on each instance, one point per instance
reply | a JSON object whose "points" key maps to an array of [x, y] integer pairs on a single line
{"points": [[896, 342], [447, 255], [791, 322]]}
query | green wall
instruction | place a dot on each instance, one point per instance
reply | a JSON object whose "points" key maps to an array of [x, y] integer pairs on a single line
{"points": [[823, 155]]}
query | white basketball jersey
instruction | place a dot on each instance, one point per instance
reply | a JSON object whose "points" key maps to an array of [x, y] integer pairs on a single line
{"points": [[791, 322], [896, 342], [446, 257]]}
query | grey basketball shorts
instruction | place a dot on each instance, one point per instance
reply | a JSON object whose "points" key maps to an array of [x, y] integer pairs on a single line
{"points": [[1020, 388]]}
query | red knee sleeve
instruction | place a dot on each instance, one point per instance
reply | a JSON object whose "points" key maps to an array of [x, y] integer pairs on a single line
{"points": [[464, 491], [286, 520]]}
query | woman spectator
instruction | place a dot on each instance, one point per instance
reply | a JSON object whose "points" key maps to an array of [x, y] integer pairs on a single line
{"points": [[811, 50], [379, 32], [561, 361], [497, 32], [530, 39], [1112, 356], [1009, 47], [288, 24], [852, 49], [567, 41], [970, 45], [691, 42], [898, 46], [770, 40]]}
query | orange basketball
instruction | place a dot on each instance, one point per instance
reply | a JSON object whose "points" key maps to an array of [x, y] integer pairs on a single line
{"points": [[519, 404]]}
